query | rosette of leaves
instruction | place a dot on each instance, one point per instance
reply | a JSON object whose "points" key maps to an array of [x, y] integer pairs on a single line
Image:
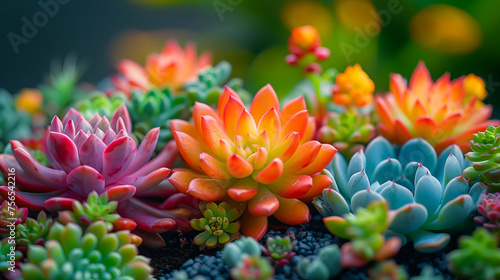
{"points": [[279, 249], [253, 268], [33, 232], [233, 252], [15, 124], [366, 232], [71, 253], [96, 208], [154, 109], [323, 266], [10, 215], [209, 85], [101, 104], [478, 257], [489, 208], [387, 270], [485, 157], [348, 131], [217, 224], [427, 195]]}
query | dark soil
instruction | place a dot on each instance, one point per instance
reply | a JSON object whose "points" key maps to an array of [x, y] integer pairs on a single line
{"points": [[185, 256]]}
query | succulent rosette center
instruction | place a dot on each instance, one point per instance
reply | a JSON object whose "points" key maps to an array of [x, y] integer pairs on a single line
{"points": [[261, 157]]}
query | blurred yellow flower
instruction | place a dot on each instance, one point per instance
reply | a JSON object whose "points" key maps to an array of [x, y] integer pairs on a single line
{"points": [[29, 100], [306, 38], [447, 29], [354, 87], [475, 87], [300, 13], [357, 14]]}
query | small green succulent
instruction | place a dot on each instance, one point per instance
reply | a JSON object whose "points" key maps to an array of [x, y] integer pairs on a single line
{"points": [[325, 266], [97, 208], [252, 268], [10, 217], [154, 109], [15, 124], [348, 131], [366, 230], [279, 249], [71, 253], [218, 224], [388, 270], [485, 156], [209, 85], [478, 257], [33, 232], [234, 251], [101, 104]]}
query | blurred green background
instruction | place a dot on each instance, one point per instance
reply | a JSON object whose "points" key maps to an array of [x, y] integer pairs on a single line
{"points": [[461, 37]]}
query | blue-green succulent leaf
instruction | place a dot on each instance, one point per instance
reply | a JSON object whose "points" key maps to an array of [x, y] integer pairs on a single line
{"points": [[339, 167], [453, 213], [358, 182], [387, 170], [429, 242], [356, 164], [443, 157], [428, 192], [376, 151], [418, 150], [452, 169], [455, 188], [364, 198], [410, 171], [421, 172], [405, 183], [476, 191], [408, 218], [397, 196]]}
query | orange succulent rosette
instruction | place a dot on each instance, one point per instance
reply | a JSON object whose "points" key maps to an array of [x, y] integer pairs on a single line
{"points": [[440, 112], [262, 158], [173, 67]]}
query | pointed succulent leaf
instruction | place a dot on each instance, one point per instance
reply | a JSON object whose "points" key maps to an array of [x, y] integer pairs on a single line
{"points": [[376, 151], [408, 218], [397, 196], [418, 150], [428, 192]]}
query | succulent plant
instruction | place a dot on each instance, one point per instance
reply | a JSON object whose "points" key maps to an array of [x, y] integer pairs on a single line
{"points": [[9, 260], [100, 103], [387, 270], [62, 90], [485, 157], [71, 253], [182, 275], [478, 257], [155, 108], [233, 252], [323, 267], [171, 68], [427, 195], [366, 230], [208, 87], [98, 155], [353, 88], [252, 268], [489, 208], [261, 157], [33, 232], [305, 49], [97, 208], [10, 217], [218, 224], [439, 112], [279, 250], [347, 132], [15, 124]]}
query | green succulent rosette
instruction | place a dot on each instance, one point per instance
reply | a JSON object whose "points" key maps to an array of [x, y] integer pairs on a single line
{"points": [[101, 104], [33, 232], [485, 158]]}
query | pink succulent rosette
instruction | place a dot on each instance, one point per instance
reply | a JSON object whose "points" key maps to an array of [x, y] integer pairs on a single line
{"points": [[99, 155]]}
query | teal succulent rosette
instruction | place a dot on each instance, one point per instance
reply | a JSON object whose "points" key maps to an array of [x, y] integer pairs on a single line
{"points": [[427, 194], [485, 157]]}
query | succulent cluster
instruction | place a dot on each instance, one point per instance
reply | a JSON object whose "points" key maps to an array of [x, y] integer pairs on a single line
{"points": [[353, 88], [71, 253], [97, 155], [245, 246], [218, 224], [485, 158], [366, 230], [100, 103], [478, 257], [441, 113], [33, 232], [348, 131], [10, 214], [489, 208], [388, 270], [305, 49], [252, 268], [323, 267], [426, 194], [279, 250], [262, 157]]}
